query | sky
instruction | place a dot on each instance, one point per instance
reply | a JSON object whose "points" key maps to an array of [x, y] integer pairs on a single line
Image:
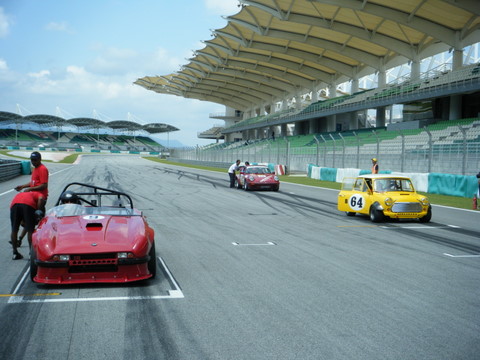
{"points": [[79, 58]]}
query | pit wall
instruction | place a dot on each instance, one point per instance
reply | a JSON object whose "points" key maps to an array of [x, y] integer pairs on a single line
{"points": [[433, 183]]}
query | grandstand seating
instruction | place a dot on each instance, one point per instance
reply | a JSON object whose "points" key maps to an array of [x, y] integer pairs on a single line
{"points": [[77, 141]]}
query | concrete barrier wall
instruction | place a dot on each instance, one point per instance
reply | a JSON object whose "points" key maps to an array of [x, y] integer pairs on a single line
{"points": [[10, 169]]}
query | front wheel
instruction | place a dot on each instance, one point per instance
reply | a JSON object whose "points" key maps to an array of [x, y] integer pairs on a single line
{"points": [[376, 215], [427, 217], [245, 186]]}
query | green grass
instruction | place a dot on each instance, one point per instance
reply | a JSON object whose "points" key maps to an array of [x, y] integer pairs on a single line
{"points": [[445, 200]]}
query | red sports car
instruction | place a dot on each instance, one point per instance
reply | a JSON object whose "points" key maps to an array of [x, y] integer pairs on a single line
{"points": [[257, 177], [92, 235]]}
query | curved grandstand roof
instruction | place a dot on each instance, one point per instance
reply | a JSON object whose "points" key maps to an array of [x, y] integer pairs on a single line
{"points": [[272, 48], [10, 117], [50, 120]]}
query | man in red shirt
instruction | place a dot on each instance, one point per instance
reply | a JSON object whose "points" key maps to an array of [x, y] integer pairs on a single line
{"points": [[39, 179], [22, 209]]}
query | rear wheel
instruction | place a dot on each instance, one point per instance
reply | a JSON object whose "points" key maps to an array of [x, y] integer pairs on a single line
{"points": [[376, 215], [33, 264], [152, 263]]}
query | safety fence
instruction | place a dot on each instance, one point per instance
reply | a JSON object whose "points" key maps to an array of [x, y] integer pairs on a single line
{"points": [[453, 149]]}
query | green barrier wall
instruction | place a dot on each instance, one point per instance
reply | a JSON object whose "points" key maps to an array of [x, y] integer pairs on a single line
{"points": [[328, 174], [26, 168], [454, 185]]}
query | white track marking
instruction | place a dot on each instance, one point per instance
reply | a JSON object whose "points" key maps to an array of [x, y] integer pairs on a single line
{"points": [[175, 293]]}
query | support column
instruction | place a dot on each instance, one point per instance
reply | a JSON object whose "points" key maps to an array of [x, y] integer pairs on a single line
{"points": [[455, 111]]}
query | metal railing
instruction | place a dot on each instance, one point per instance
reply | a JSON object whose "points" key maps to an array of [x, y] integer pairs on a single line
{"points": [[453, 150]]}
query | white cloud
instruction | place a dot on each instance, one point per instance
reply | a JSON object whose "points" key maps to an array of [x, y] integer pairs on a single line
{"points": [[223, 7], [58, 26], [3, 65], [4, 23]]}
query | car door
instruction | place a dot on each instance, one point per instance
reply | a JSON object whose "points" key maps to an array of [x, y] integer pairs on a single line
{"points": [[355, 196]]}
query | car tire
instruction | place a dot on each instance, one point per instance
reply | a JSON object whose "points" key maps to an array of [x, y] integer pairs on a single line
{"points": [[152, 263], [237, 184], [350, 213], [245, 186], [276, 188], [427, 217], [33, 264], [376, 215]]}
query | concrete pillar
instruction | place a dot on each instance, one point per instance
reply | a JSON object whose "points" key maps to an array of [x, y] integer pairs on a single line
{"points": [[455, 111], [332, 123], [353, 121], [457, 59], [415, 70], [332, 88], [354, 85], [380, 116], [283, 130]]}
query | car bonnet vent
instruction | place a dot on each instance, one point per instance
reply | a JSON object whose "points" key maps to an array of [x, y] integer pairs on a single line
{"points": [[94, 226]]}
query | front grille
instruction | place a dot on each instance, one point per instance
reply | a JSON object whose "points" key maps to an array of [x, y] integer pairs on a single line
{"points": [[93, 261], [404, 207]]}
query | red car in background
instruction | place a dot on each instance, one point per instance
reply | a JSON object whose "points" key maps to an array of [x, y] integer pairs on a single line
{"points": [[257, 177], [92, 235]]}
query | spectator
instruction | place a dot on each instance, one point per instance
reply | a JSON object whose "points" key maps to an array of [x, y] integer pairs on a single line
{"points": [[478, 191], [39, 179], [23, 209], [374, 166], [231, 173]]}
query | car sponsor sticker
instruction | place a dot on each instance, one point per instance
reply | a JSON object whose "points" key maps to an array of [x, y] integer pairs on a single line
{"points": [[356, 202]]}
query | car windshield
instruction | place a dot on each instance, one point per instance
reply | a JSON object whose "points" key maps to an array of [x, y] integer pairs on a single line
{"points": [[392, 184], [258, 170], [76, 210]]}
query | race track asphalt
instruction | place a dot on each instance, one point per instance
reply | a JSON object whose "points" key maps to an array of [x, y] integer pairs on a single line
{"points": [[251, 275]]}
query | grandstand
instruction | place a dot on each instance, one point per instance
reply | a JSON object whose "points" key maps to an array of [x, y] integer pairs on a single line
{"points": [[78, 134], [325, 69]]}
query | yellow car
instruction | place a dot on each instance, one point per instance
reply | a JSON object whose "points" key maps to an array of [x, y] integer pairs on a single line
{"points": [[383, 196]]}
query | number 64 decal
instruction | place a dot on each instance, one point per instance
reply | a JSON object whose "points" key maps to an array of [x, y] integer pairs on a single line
{"points": [[356, 202]]}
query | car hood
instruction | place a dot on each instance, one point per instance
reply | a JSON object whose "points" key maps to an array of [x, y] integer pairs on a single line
{"points": [[90, 234], [267, 178]]}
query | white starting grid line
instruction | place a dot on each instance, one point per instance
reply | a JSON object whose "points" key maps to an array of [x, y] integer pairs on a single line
{"points": [[176, 293], [462, 256], [265, 244]]}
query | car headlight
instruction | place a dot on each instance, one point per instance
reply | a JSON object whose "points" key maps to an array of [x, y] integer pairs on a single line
{"points": [[276, 178], [388, 201], [125, 255], [424, 201], [61, 257], [251, 178]]}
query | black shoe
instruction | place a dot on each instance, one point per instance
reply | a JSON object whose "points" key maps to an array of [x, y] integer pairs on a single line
{"points": [[17, 256], [19, 242]]}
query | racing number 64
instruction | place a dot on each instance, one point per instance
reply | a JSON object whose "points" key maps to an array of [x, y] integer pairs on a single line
{"points": [[356, 202]]}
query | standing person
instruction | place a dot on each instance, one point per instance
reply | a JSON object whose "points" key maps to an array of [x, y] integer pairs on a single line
{"points": [[231, 173], [22, 209], [39, 179], [478, 191], [374, 166]]}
